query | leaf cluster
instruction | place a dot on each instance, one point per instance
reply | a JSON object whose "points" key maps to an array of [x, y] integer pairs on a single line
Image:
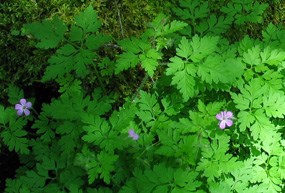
{"points": [[80, 141]]}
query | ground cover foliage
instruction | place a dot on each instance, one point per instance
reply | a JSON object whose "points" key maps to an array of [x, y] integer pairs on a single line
{"points": [[165, 135], [23, 65]]}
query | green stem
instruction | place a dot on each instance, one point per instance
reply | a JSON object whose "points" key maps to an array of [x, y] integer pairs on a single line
{"points": [[120, 19], [96, 71], [147, 148], [140, 87], [38, 115], [71, 43], [99, 79], [35, 112]]}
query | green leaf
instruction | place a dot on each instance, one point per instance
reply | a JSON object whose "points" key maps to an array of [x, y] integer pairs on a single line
{"points": [[14, 136], [262, 127], [202, 47], [272, 144], [273, 36], [67, 50], [95, 126], [68, 106], [121, 119], [172, 104], [168, 139], [44, 127], [241, 102], [172, 27], [49, 32], [182, 77], [15, 186], [94, 42], [101, 167], [250, 96], [99, 133], [242, 176], [81, 60], [88, 20], [74, 188], [185, 83], [246, 44], [214, 25], [192, 9], [200, 120], [215, 160], [274, 104], [131, 45], [176, 65], [164, 179], [279, 163], [71, 57], [69, 86], [100, 103], [245, 11], [252, 57], [5, 114], [149, 61], [215, 70], [36, 178], [106, 165], [149, 108], [127, 60], [222, 186], [15, 94], [59, 66], [184, 49], [193, 142], [99, 190], [260, 174], [246, 119], [273, 80], [67, 59], [137, 50], [162, 28], [193, 126], [272, 57], [76, 34], [210, 109]]}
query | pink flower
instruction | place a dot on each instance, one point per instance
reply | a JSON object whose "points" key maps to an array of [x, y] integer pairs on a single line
{"points": [[23, 107], [133, 135], [225, 118]]}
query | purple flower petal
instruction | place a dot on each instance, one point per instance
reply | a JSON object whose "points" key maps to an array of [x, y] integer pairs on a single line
{"points": [[27, 112], [20, 112], [219, 116], [18, 106], [23, 107], [23, 102], [229, 122], [225, 118], [229, 115], [222, 124], [135, 136], [131, 132], [28, 105]]}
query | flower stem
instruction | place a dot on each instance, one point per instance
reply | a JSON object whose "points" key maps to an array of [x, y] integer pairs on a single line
{"points": [[34, 110]]}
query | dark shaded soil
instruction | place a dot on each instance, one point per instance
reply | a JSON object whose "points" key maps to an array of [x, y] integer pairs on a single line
{"points": [[9, 163]]}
